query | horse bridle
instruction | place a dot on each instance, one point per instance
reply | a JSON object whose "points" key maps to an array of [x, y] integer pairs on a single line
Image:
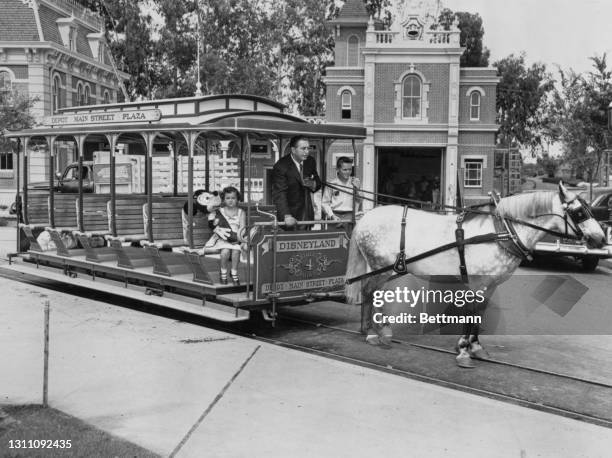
{"points": [[577, 214]]}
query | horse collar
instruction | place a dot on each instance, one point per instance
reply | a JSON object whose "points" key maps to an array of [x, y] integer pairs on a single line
{"points": [[460, 238], [400, 262]]}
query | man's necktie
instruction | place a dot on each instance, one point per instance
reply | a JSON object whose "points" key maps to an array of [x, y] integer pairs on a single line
{"points": [[301, 171]]}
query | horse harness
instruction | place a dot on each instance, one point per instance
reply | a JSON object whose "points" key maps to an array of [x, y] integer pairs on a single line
{"points": [[505, 235]]}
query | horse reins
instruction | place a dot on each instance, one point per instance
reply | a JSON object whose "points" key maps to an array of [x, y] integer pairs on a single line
{"points": [[472, 210], [580, 214]]}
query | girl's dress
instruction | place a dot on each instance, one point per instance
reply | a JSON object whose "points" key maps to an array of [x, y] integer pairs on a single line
{"points": [[234, 224]]}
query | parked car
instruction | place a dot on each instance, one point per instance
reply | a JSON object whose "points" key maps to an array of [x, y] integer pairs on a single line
{"points": [[578, 249], [68, 180], [599, 203]]}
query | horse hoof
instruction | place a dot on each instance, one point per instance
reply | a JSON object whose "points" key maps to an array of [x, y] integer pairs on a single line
{"points": [[377, 341], [373, 339], [477, 351], [465, 362], [385, 341]]}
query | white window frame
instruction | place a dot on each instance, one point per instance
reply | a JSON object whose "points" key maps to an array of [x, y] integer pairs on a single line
{"points": [[87, 95], [80, 93], [346, 106], [4, 158], [475, 106], [411, 97], [470, 164], [56, 97], [399, 99], [469, 93]]}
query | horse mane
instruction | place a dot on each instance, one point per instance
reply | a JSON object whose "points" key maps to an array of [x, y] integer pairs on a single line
{"points": [[527, 205]]}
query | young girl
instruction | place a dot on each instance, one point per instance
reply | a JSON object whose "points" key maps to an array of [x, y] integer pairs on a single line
{"points": [[227, 222]]}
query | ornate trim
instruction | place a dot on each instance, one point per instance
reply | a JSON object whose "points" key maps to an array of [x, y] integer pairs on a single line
{"points": [[423, 119], [346, 88], [475, 88]]}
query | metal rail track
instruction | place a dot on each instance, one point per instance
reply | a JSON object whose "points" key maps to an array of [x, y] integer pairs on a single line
{"points": [[445, 350], [380, 366]]}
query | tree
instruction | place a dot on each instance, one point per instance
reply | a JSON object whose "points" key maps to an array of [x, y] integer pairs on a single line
{"points": [[15, 114], [520, 95], [579, 113], [176, 48], [306, 49], [472, 31], [128, 32]]}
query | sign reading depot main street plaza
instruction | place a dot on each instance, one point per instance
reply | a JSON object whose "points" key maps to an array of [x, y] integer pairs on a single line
{"points": [[103, 117], [305, 262]]}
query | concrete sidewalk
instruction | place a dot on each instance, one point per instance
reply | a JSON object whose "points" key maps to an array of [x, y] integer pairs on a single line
{"points": [[173, 387]]}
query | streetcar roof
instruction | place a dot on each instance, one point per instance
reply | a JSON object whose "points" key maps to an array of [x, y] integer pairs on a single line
{"points": [[224, 114]]}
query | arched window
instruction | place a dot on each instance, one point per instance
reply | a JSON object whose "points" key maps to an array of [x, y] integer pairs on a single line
{"points": [[87, 97], [106, 97], [475, 106], [411, 97], [353, 52], [346, 100], [80, 95], [57, 93], [5, 86]]}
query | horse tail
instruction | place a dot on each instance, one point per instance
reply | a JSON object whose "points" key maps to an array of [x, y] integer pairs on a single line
{"points": [[356, 265]]}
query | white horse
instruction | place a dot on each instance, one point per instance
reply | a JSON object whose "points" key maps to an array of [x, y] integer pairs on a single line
{"points": [[375, 244]]}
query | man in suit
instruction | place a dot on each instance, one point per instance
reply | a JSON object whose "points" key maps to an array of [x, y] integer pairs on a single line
{"points": [[294, 180]]}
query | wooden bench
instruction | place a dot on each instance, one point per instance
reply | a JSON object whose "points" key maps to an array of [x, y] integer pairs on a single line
{"points": [[36, 215], [95, 223], [167, 222], [128, 218], [95, 214], [65, 212], [36, 211], [172, 264], [129, 224]]}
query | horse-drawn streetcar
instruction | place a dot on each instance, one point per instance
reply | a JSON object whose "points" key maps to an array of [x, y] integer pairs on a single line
{"points": [[129, 213], [140, 230]]}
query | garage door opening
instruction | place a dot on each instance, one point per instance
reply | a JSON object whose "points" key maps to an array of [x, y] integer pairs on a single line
{"points": [[410, 173]]}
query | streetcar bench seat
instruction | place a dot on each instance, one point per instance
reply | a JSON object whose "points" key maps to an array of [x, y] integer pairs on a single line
{"points": [[166, 263], [64, 246], [28, 230], [201, 231], [95, 253], [36, 210], [95, 215], [129, 257], [127, 218], [166, 222], [65, 212], [195, 258]]}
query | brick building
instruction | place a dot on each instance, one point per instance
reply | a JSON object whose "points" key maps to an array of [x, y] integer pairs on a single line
{"points": [[425, 115], [53, 50]]}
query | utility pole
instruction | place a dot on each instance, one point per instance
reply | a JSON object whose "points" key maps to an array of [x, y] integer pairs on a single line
{"points": [[198, 92]]}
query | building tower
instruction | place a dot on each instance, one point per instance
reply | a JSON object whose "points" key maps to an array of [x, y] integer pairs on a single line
{"points": [[430, 124]]}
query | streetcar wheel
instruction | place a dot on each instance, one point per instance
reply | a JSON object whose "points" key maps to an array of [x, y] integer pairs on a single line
{"points": [[589, 263]]}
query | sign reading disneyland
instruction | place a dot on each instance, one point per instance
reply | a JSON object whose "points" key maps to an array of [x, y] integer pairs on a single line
{"points": [[304, 265], [103, 117]]}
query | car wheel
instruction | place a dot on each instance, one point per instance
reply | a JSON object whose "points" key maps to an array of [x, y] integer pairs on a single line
{"points": [[589, 263]]}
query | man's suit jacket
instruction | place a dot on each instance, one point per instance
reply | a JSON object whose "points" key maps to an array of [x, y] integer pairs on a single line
{"points": [[289, 194]]}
